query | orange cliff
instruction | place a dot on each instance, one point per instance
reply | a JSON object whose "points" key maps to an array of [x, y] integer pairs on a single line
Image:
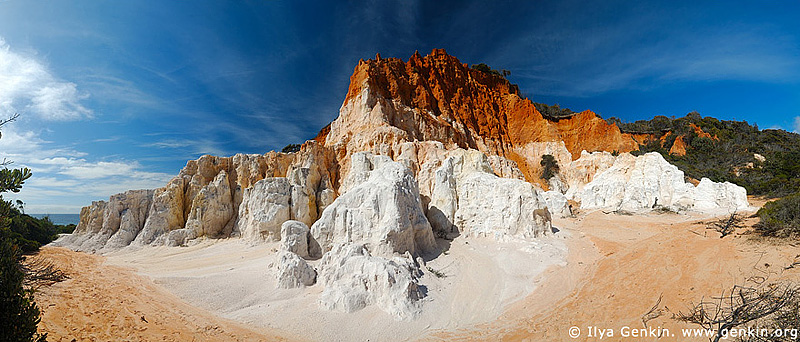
{"points": [[438, 98]]}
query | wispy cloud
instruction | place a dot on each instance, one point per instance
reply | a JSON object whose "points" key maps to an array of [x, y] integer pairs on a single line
{"points": [[584, 58], [64, 179], [797, 124], [27, 85]]}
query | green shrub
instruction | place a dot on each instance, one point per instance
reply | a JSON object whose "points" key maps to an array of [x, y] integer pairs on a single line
{"points": [[780, 218], [549, 166], [482, 67], [291, 148], [728, 156], [27, 232], [19, 314], [554, 112]]}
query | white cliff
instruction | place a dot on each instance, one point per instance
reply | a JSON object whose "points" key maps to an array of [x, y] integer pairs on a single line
{"points": [[265, 207], [648, 181], [110, 225], [383, 212], [467, 198]]}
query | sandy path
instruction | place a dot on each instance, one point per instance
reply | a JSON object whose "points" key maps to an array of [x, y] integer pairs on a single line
{"points": [[107, 303], [620, 265]]}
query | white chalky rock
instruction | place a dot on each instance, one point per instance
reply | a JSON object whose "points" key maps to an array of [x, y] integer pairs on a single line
{"points": [[110, 225], [648, 181], [212, 208], [557, 203], [354, 279], [582, 171], [304, 181], [709, 195], [166, 212], [467, 198], [265, 207], [294, 237], [383, 212], [293, 271]]}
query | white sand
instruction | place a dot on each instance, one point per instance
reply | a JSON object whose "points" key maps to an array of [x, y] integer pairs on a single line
{"points": [[233, 279]]}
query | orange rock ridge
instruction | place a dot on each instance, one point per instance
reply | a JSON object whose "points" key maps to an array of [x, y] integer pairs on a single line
{"points": [[461, 106]]}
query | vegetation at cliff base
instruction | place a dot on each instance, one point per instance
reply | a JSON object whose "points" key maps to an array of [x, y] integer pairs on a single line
{"points": [[28, 232], [780, 218], [19, 314], [765, 162], [19, 233]]}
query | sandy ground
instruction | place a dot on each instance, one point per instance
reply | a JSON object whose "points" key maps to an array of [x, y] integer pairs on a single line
{"points": [[618, 268], [615, 271], [106, 303], [234, 279]]}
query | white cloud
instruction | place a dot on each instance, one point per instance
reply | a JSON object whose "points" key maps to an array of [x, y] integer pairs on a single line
{"points": [[64, 180], [99, 169], [797, 124], [26, 85]]}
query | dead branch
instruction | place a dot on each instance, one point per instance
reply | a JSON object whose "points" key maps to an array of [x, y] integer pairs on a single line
{"points": [[654, 312], [727, 226], [741, 306], [10, 119]]}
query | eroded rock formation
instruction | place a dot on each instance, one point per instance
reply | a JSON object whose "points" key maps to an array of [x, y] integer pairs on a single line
{"points": [[382, 212], [353, 279], [467, 198], [421, 149], [292, 271], [438, 98], [648, 181]]}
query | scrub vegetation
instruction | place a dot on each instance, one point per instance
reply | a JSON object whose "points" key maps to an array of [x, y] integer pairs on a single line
{"points": [[765, 162]]}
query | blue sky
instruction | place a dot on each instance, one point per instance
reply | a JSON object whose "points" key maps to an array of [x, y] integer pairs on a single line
{"points": [[118, 95]]}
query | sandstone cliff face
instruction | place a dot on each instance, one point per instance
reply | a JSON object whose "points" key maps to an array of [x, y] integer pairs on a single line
{"points": [[110, 225], [467, 198], [437, 98], [205, 200]]}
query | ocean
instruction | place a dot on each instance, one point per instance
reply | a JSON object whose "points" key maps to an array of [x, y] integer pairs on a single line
{"points": [[60, 218]]}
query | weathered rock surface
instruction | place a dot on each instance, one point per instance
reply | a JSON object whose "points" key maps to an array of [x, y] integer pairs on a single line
{"points": [[384, 213], [293, 271], [582, 171], [469, 199], [414, 112], [265, 207], [648, 181], [437, 98], [212, 208], [110, 225], [294, 237], [709, 195], [166, 213], [557, 203], [354, 279], [205, 199]]}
